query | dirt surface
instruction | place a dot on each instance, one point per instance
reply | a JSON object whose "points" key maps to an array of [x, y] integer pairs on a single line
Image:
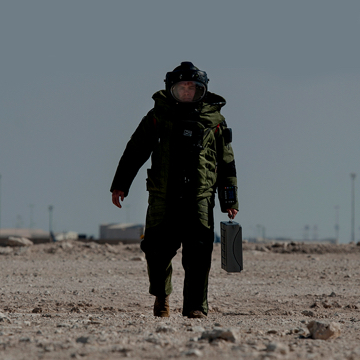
{"points": [[89, 301]]}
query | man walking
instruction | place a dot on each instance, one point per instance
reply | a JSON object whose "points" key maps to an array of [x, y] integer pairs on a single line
{"points": [[191, 157]]}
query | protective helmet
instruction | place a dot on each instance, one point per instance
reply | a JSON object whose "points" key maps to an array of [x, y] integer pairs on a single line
{"points": [[186, 83]]}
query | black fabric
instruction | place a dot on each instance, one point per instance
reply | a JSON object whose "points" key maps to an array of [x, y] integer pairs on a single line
{"points": [[230, 169]]}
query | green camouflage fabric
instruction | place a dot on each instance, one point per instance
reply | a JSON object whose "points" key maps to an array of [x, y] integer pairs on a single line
{"points": [[154, 137]]}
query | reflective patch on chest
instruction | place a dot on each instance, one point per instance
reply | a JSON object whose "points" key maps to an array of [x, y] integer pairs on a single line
{"points": [[187, 132]]}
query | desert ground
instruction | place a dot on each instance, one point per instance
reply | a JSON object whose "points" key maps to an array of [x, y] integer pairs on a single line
{"points": [[83, 300]]}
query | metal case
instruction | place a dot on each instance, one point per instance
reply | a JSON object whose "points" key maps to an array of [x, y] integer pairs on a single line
{"points": [[231, 246]]}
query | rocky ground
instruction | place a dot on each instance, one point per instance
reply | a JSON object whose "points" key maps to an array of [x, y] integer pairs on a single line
{"points": [[88, 301]]}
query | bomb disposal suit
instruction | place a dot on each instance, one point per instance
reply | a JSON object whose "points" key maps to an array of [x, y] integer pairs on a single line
{"points": [[191, 157]]}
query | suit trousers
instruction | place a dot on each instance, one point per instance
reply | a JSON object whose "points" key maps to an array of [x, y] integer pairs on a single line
{"points": [[161, 244]]}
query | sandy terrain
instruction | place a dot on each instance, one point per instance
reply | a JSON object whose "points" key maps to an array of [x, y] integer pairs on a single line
{"points": [[89, 301]]}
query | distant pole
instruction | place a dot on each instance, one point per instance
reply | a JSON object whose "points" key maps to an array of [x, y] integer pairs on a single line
{"points": [[306, 232], [258, 233], [315, 233], [261, 231], [50, 218], [337, 225], [353, 176], [31, 215]]}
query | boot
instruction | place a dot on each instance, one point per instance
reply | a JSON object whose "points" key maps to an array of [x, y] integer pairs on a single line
{"points": [[196, 314], [161, 306]]}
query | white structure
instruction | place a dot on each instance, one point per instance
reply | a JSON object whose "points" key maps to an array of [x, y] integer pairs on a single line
{"points": [[69, 235], [127, 233]]}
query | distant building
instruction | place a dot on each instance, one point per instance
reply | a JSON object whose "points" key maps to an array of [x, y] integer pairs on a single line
{"points": [[66, 235], [125, 233]]}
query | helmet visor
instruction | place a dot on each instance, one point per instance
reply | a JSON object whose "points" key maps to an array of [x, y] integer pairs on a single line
{"points": [[188, 91]]}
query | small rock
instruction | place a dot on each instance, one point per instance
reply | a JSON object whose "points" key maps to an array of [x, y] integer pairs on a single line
{"points": [[165, 329], [63, 325], [351, 306], [6, 250], [326, 305], [336, 304], [219, 333], [261, 248], [25, 339], [193, 352], [17, 241], [49, 348], [324, 331], [153, 339], [4, 318], [120, 349], [197, 329], [280, 245], [308, 313], [83, 339], [299, 331], [138, 258], [94, 322], [277, 347], [66, 245], [92, 245], [76, 309]]}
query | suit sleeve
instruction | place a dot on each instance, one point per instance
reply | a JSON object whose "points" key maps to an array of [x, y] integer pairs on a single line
{"points": [[226, 168], [136, 153]]}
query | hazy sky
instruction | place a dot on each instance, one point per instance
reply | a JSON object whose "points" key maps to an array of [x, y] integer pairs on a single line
{"points": [[77, 77]]}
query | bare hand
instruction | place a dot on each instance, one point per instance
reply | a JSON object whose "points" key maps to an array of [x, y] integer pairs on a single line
{"points": [[116, 194], [232, 213]]}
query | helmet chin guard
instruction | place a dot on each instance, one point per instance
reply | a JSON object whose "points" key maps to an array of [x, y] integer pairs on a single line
{"points": [[186, 83]]}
